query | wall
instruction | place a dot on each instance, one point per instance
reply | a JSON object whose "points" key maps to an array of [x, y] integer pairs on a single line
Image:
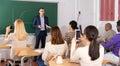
{"points": [[66, 12], [90, 14], [87, 12], [101, 24]]}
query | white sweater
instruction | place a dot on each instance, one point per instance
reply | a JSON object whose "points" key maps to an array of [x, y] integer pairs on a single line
{"points": [[81, 54], [54, 50]]}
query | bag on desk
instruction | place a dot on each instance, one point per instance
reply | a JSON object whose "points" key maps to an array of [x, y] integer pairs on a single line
{"points": [[40, 62]]}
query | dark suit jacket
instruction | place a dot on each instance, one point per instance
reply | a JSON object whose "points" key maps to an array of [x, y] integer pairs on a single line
{"points": [[37, 22]]}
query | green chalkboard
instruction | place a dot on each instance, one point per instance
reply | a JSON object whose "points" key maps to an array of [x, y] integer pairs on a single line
{"points": [[12, 10]]}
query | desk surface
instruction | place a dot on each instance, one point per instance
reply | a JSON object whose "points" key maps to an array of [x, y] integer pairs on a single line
{"points": [[2, 46], [23, 51], [65, 63], [28, 52]]}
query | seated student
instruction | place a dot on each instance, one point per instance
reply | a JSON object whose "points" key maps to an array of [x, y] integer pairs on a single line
{"points": [[107, 35], [57, 46], [92, 53], [115, 42], [109, 32], [17, 38], [71, 34]]}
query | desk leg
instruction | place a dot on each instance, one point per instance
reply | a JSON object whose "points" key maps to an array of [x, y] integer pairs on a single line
{"points": [[22, 61]]}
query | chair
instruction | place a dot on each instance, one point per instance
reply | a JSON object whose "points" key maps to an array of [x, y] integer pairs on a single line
{"points": [[16, 48], [14, 61], [105, 62], [2, 55]]}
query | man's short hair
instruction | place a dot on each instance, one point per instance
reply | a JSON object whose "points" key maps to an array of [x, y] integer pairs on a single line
{"points": [[118, 23], [41, 7]]}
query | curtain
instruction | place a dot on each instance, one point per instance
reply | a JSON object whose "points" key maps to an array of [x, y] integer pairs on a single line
{"points": [[107, 10], [118, 9]]}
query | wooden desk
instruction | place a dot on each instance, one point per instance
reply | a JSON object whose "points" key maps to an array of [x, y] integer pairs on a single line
{"points": [[23, 52], [27, 52], [5, 46], [65, 63]]}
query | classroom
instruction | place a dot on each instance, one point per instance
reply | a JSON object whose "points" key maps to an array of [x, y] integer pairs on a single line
{"points": [[60, 33]]}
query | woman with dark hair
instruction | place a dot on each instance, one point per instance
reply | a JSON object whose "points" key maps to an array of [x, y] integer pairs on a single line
{"points": [[69, 35], [55, 47], [92, 53]]}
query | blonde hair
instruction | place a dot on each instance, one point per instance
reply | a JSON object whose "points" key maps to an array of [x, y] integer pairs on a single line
{"points": [[19, 30]]}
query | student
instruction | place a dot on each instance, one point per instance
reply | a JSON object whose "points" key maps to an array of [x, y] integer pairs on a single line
{"points": [[17, 38], [108, 35], [57, 46], [69, 35], [92, 53], [115, 42], [109, 32]]}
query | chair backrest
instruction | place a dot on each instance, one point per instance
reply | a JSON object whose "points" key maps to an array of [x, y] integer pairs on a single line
{"points": [[106, 61]]}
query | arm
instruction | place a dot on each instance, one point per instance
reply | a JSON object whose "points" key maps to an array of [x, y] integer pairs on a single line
{"points": [[66, 36], [66, 50], [7, 31], [9, 38], [113, 41], [47, 23], [105, 36], [75, 55], [35, 23], [47, 56], [45, 53]]}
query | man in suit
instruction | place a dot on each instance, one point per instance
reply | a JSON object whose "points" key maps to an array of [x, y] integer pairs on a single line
{"points": [[40, 24]]}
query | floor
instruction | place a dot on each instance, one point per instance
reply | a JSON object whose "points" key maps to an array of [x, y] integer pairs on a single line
{"points": [[27, 64]]}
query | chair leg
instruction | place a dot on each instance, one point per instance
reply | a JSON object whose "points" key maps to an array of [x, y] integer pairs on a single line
{"points": [[10, 63], [22, 61], [0, 57]]}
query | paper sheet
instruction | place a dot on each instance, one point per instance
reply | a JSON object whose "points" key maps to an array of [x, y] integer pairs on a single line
{"points": [[39, 50], [9, 44]]}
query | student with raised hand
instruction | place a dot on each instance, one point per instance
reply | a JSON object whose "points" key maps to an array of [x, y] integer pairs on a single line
{"points": [[56, 46], [115, 42], [92, 53], [18, 38]]}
